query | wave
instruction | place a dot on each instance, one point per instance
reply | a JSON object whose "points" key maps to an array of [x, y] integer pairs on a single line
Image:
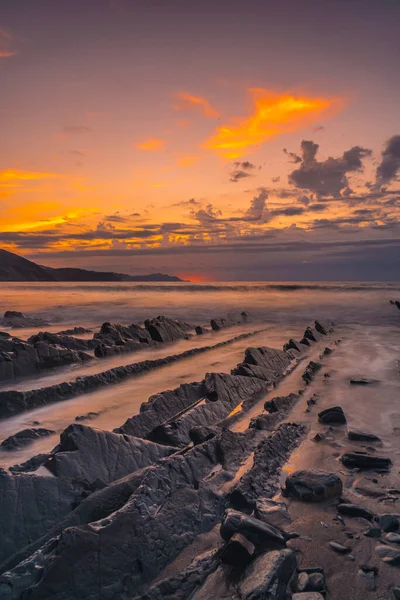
{"points": [[214, 287]]}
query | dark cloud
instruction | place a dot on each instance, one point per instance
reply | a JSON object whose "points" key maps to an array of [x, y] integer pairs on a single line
{"points": [[390, 163], [242, 170], [116, 218], [318, 128], [293, 157], [326, 178], [257, 206], [191, 202]]}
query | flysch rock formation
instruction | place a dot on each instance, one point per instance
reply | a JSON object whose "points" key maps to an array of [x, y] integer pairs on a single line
{"points": [[138, 504], [13, 402], [20, 359]]}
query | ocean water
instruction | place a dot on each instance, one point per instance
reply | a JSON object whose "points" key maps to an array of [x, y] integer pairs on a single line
{"points": [[368, 324], [289, 303]]}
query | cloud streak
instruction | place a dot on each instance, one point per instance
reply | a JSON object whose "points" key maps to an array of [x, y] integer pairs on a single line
{"points": [[198, 103], [151, 145], [273, 114]]}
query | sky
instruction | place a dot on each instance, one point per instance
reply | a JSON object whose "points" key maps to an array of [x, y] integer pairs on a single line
{"points": [[213, 140]]}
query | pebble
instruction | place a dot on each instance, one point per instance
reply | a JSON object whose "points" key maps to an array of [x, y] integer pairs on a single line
{"points": [[339, 548], [388, 554], [393, 537], [389, 522]]}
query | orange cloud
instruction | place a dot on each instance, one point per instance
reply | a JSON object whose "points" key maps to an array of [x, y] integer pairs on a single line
{"points": [[187, 161], [14, 176], [273, 114], [196, 102], [152, 145]]}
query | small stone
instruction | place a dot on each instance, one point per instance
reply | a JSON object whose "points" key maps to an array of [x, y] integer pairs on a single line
{"points": [[302, 582], [373, 532], [388, 554], [339, 548], [396, 592], [316, 582], [369, 568], [389, 522], [393, 537]]}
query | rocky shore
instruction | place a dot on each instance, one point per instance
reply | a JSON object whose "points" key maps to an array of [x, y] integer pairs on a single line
{"points": [[204, 493]]}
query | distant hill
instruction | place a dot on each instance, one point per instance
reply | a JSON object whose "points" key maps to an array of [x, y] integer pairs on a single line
{"points": [[17, 268]]}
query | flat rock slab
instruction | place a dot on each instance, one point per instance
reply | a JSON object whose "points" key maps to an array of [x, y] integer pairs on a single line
{"points": [[89, 454], [313, 486], [266, 575], [361, 436], [361, 460], [363, 381], [24, 438], [353, 510]]}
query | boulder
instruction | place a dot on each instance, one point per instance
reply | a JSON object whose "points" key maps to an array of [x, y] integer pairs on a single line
{"points": [[313, 486], [25, 437], [16, 319], [261, 534], [389, 522], [200, 330], [360, 460], [65, 341], [268, 576], [74, 331], [332, 416], [353, 510]]}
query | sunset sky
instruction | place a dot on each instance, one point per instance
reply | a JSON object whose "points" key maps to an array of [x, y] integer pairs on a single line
{"points": [[214, 140]]}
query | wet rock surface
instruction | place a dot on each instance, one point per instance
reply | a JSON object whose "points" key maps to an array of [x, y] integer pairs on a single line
{"points": [[362, 460], [24, 438], [313, 486], [332, 416]]}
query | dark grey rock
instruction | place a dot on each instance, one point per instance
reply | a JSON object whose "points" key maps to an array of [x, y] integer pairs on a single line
{"points": [[392, 537], [32, 464], [65, 341], [267, 576], [396, 590], [361, 436], [388, 554], [74, 331], [313, 486], [311, 370], [199, 434], [265, 363], [333, 415], [365, 461], [238, 551], [353, 510], [200, 330], [389, 522], [373, 532], [272, 512], [30, 505], [89, 454], [261, 534], [87, 417], [162, 329], [339, 548], [363, 381], [24, 438], [16, 319], [270, 455]]}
